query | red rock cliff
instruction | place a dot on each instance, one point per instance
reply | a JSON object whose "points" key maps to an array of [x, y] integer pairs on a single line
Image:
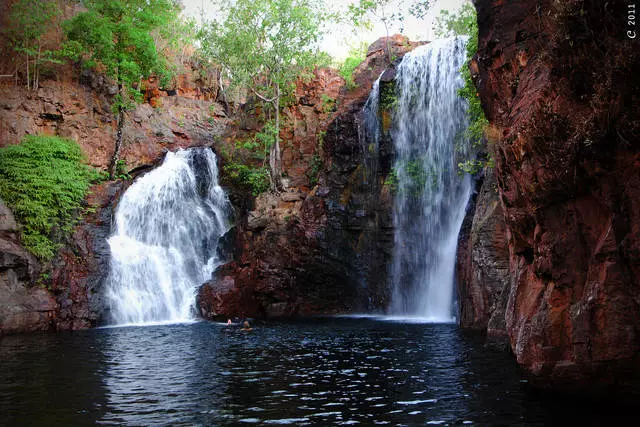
{"points": [[561, 80]]}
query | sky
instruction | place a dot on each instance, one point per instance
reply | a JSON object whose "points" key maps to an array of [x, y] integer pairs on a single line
{"points": [[339, 40]]}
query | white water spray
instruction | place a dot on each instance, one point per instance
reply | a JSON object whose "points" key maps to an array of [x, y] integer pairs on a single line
{"points": [[165, 244], [428, 134]]}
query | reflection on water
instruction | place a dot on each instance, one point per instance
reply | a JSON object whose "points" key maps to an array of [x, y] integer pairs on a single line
{"points": [[322, 372]]}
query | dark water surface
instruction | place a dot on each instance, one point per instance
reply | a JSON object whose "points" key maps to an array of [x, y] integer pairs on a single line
{"points": [[321, 372]]}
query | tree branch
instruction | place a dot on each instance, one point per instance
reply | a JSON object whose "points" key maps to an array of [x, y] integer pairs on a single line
{"points": [[262, 97]]}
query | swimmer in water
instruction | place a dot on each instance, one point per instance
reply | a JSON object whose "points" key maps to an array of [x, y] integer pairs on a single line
{"points": [[229, 322], [246, 327]]}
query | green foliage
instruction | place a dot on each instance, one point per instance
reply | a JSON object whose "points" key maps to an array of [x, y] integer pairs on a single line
{"points": [[392, 180], [355, 58], [117, 37], [314, 169], [416, 174], [28, 22], [461, 23], [174, 41], [329, 104], [256, 179], [363, 12], [44, 181], [388, 96], [261, 142], [245, 160], [121, 170], [419, 8], [264, 46]]}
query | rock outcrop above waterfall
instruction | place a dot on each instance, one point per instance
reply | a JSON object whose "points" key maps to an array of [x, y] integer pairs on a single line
{"points": [[80, 108], [317, 248], [559, 80]]}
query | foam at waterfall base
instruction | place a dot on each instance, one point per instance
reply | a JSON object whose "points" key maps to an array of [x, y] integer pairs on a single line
{"points": [[418, 320], [188, 321]]}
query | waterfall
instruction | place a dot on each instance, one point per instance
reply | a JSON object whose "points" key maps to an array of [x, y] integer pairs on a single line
{"points": [[165, 243], [431, 197]]}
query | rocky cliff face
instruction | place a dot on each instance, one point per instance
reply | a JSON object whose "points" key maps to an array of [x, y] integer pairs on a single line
{"points": [[483, 265], [317, 248], [560, 81], [23, 306], [80, 109]]}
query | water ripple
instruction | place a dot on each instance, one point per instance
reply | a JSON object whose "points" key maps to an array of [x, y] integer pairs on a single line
{"points": [[349, 371]]}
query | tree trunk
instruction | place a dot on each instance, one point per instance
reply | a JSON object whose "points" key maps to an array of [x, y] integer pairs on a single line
{"points": [[116, 152], [36, 71], [275, 162], [386, 28], [223, 92], [28, 77]]}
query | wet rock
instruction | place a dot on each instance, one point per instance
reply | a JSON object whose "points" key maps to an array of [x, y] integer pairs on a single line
{"points": [[7, 220], [257, 222], [24, 306], [483, 265], [81, 267], [567, 158]]}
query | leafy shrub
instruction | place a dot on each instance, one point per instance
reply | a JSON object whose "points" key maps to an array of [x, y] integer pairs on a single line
{"points": [[355, 58], [314, 169], [329, 104], [44, 180], [255, 179], [388, 96], [259, 145], [121, 170], [392, 180]]}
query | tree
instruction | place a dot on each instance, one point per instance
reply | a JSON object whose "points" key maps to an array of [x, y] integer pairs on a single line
{"points": [[116, 36], [29, 21], [264, 46], [461, 23], [381, 10]]}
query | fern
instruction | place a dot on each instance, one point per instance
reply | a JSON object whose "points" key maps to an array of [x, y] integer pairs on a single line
{"points": [[44, 180]]}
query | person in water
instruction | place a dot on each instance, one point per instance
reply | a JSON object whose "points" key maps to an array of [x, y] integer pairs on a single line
{"points": [[246, 327], [229, 322]]}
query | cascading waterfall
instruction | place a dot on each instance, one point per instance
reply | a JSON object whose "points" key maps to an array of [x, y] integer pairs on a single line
{"points": [[165, 243], [428, 135]]}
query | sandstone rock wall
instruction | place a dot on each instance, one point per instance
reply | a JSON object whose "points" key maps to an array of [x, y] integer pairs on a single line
{"points": [[81, 110], [24, 305], [483, 265], [560, 81]]}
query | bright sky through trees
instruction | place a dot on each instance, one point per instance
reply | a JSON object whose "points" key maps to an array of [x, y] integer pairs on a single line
{"points": [[340, 39]]}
